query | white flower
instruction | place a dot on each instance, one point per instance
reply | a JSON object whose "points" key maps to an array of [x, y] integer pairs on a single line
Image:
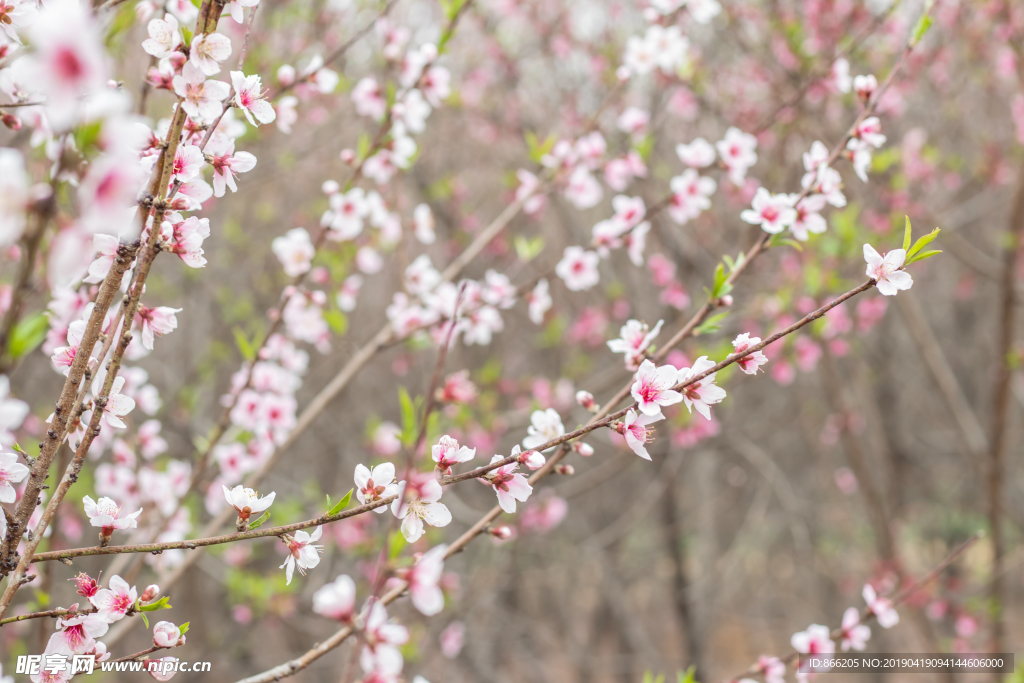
{"points": [[422, 506], [11, 472], [164, 37], [118, 405], [886, 271], [372, 485], [246, 501], [107, 515], [208, 51], [249, 98], [545, 425], [302, 552]]}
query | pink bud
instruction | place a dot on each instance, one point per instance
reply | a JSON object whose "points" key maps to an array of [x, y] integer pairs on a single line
{"points": [[532, 459], [348, 156], [11, 121], [330, 187], [502, 533], [567, 470], [151, 593], [726, 300], [584, 449], [585, 399]]}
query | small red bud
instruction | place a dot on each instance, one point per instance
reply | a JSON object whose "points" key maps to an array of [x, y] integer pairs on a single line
{"points": [[567, 470], [11, 121]]}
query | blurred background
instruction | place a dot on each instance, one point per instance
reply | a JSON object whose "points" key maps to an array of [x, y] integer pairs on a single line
{"points": [[863, 453]]}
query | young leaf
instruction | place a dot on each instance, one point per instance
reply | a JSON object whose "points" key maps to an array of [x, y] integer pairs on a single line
{"points": [[712, 324], [162, 603], [145, 620], [923, 24], [342, 504], [922, 243], [922, 256], [184, 627], [688, 677], [244, 347], [396, 544], [28, 334], [408, 416], [260, 522]]}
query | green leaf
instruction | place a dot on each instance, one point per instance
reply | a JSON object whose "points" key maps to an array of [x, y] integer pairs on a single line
{"points": [[688, 677], [162, 603], [779, 240], [528, 249], [27, 335], [408, 416], [260, 522], [363, 146], [721, 287], [242, 342], [922, 243], [922, 256], [184, 627], [145, 620], [906, 234], [712, 324], [645, 146], [396, 544], [337, 321], [342, 504], [536, 148], [923, 24]]}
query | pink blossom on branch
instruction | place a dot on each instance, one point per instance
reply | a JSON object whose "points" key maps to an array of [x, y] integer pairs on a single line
{"points": [[302, 553], [886, 272], [447, 452], [634, 428], [336, 600], [423, 578], [509, 485], [750, 363], [705, 393], [249, 98], [653, 388]]}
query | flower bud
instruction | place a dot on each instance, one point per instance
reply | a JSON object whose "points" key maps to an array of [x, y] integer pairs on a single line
{"points": [[286, 74], [567, 470], [502, 533], [584, 449], [330, 187], [165, 634], [586, 399], [12, 121], [348, 156], [532, 459], [726, 300], [151, 593]]}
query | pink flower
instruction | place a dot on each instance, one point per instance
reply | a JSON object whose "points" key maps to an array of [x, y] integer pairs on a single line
{"points": [[539, 302], [118, 405], [372, 485], [156, 322], [865, 86], [528, 192], [808, 219], [227, 163], [814, 641], [634, 428], [11, 472], [653, 388], [302, 552], [186, 240], [749, 364], [15, 14], [164, 37], [697, 154], [886, 273], [881, 607], [629, 211], [423, 578], [106, 251], [690, 196], [737, 151], [452, 639], [208, 51], [509, 485], [77, 635], [295, 251], [368, 99], [633, 120], [446, 452], [634, 340], [773, 669], [113, 603], [249, 98], [165, 634], [855, 634], [534, 460], [582, 189], [107, 515], [578, 268], [705, 393], [203, 99], [458, 388], [772, 212], [64, 356], [421, 506], [162, 669], [336, 600]]}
